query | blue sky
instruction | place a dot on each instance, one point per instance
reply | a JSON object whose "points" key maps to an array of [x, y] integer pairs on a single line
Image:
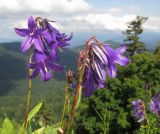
{"points": [[147, 7], [103, 18]]}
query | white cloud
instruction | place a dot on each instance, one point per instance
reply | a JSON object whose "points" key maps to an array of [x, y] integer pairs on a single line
{"points": [[43, 6], [153, 24], [71, 16], [103, 21], [115, 10]]}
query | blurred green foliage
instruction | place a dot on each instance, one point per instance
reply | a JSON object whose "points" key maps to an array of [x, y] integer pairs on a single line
{"points": [[116, 98]]}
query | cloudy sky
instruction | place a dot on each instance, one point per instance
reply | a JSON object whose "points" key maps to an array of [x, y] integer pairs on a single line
{"points": [[84, 18]]}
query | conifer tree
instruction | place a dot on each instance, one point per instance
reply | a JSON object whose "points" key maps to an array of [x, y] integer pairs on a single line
{"points": [[133, 31]]}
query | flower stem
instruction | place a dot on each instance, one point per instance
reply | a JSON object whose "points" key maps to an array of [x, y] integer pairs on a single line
{"points": [[28, 101], [65, 101], [73, 109], [78, 90], [28, 95]]}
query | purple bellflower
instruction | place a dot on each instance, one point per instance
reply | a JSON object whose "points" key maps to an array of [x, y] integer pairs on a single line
{"points": [[55, 39], [43, 65], [33, 34], [154, 105], [44, 40], [115, 57], [139, 110], [101, 59]]}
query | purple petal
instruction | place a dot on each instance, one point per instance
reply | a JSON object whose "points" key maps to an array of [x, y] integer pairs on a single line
{"points": [[48, 37], [26, 44], [39, 56], [41, 31], [100, 54], [32, 65], [134, 102], [121, 49], [56, 67], [112, 70], [88, 89], [102, 84], [123, 61], [50, 27], [54, 50], [100, 71], [69, 37], [22, 32], [31, 23], [38, 44], [34, 74], [46, 75], [110, 53]]}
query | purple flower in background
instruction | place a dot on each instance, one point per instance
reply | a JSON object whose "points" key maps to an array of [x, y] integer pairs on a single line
{"points": [[41, 64], [154, 105], [101, 59], [139, 110], [33, 36], [114, 57]]}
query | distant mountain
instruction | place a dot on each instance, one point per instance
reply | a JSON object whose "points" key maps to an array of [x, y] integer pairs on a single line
{"points": [[14, 82], [13, 66]]}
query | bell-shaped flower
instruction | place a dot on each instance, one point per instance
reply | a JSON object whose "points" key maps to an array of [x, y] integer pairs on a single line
{"points": [[54, 39], [43, 65], [33, 36], [139, 110], [101, 59], [91, 82], [45, 41], [115, 57], [154, 105]]}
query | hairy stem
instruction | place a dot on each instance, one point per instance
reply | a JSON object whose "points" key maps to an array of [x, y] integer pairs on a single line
{"points": [[28, 96], [65, 101], [73, 109], [78, 90]]}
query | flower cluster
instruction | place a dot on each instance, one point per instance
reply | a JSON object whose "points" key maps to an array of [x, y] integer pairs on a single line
{"points": [[154, 105], [44, 41], [139, 107], [101, 58], [139, 110]]}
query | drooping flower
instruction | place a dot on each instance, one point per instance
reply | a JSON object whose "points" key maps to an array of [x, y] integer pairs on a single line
{"points": [[33, 36], [91, 82], [42, 64], [154, 105], [101, 59], [55, 39], [139, 110], [114, 57]]}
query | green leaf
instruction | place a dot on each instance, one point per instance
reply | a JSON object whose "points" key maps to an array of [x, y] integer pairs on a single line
{"points": [[30, 116], [34, 112], [46, 130], [7, 127]]}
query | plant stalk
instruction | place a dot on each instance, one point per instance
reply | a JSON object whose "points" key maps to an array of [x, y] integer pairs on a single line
{"points": [[78, 90], [73, 109], [65, 102], [28, 95]]}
